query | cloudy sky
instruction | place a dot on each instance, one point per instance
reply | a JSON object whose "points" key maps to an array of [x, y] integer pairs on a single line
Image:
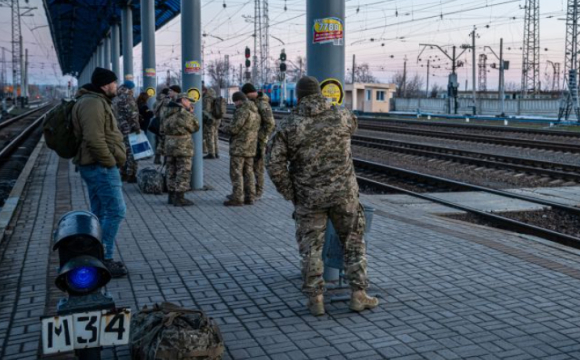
{"points": [[380, 33]]}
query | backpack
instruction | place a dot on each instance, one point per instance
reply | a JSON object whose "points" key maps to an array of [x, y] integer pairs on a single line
{"points": [[59, 132], [169, 332], [151, 181], [219, 108]]}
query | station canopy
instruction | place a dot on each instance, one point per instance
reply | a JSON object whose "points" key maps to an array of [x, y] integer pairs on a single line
{"points": [[78, 27]]}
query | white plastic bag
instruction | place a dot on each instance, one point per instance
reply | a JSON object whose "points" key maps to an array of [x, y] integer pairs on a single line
{"points": [[140, 146]]}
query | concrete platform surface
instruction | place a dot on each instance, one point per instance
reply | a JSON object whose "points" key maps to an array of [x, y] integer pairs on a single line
{"points": [[450, 290]]}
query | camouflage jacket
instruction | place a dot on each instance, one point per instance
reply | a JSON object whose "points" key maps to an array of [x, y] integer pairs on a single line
{"points": [[244, 129], [178, 126], [207, 104], [267, 123], [309, 157], [162, 110], [126, 111]]}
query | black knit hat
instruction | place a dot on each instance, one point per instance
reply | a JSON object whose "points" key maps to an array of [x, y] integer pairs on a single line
{"points": [[175, 88], [248, 88], [239, 96], [102, 77], [308, 85]]}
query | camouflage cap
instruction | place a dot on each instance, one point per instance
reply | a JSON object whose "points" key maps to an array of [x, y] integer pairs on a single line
{"points": [[185, 95]]}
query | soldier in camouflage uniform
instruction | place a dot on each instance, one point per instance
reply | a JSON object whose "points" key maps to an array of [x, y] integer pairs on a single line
{"points": [[267, 125], [209, 123], [178, 125], [309, 160], [244, 138], [161, 113], [127, 114]]}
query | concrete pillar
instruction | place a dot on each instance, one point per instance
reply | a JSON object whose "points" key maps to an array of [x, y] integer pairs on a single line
{"points": [[115, 49], [325, 54], [107, 52], [148, 43], [127, 33], [325, 51], [192, 69]]}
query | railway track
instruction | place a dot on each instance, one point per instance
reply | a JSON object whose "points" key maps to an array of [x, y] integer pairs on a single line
{"points": [[530, 144], [468, 127], [15, 130], [561, 171], [18, 138], [386, 178]]}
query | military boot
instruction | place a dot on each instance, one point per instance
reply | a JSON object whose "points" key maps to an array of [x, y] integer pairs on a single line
{"points": [[360, 301], [232, 202], [209, 157], [316, 305], [124, 177], [180, 200], [132, 179], [170, 196], [157, 160]]}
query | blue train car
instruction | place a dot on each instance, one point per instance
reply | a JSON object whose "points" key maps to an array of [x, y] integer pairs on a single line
{"points": [[274, 93]]}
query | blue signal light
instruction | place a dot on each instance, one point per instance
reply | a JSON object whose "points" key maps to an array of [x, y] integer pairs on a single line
{"points": [[83, 279]]}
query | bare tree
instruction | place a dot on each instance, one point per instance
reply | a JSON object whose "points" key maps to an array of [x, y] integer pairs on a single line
{"points": [[512, 86], [217, 70], [436, 89], [411, 87], [362, 74]]}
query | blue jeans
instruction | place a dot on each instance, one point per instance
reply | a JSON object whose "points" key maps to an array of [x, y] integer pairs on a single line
{"points": [[107, 203]]}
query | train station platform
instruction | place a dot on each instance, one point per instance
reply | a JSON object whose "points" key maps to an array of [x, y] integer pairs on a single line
{"points": [[450, 290]]}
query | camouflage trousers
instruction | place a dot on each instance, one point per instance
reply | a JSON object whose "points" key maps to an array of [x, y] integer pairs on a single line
{"points": [[131, 167], [210, 137], [160, 150], [178, 173], [242, 177], [259, 171], [349, 222]]}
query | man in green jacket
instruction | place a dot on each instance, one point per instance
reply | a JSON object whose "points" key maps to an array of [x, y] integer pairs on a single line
{"points": [[101, 154]]}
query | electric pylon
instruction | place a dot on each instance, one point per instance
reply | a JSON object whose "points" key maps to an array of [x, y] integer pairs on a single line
{"points": [[531, 50], [569, 101], [482, 72]]}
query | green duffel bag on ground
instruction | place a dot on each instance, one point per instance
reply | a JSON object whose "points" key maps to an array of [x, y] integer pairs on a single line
{"points": [[169, 332]]}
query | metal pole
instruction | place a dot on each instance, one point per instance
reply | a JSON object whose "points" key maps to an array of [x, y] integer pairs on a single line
{"points": [[190, 54], [454, 65], [325, 51], [405, 78], [26, 74], [149, 72], [107, 52], [501, 78], [325, 56], [115, 49], [127, 33], [428, 70], [353, 69], [21, 71], [473, 50]]}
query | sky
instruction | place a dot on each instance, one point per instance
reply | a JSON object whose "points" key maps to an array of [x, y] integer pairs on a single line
{"points": [[380, 33]]}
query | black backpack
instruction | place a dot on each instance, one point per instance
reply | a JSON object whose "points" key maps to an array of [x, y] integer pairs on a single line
{"points": [[58, 130], [219, 108]]}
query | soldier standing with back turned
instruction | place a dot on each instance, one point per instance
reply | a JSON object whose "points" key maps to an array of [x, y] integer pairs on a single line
{"points": [[309, 160], [267, 125], [244, 138], [178, 125]]}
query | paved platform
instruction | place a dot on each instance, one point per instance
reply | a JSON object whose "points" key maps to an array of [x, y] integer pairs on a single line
{"points": [[569, 195], [450, 290]]}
